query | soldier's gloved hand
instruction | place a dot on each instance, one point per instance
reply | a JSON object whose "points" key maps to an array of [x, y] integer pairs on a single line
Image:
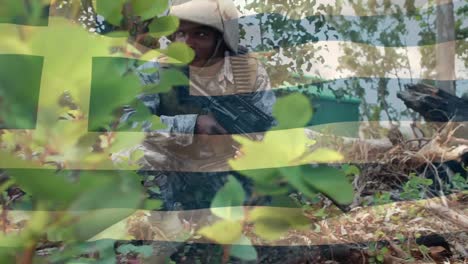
{"points": [[207, 124]]}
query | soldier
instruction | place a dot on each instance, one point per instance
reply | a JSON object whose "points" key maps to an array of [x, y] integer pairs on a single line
{"points": [[182, 162], [188, 161]]}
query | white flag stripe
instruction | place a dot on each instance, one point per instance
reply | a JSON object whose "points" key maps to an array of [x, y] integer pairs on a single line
{"points": [[171, 227], [379, 146], [346, 10], [332, 51]]}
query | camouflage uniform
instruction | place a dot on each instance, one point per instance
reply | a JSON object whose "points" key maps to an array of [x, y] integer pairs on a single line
{"points": [[173, 154], [188, 168]]}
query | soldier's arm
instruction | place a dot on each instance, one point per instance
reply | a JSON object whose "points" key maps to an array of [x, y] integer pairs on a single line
{"points": [[264, 97], [181, 126]]}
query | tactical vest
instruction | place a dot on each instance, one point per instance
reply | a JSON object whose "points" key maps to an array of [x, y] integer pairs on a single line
{"points": [[178, 100]]}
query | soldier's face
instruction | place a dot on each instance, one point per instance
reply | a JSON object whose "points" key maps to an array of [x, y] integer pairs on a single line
{"points": [[202, 39]]}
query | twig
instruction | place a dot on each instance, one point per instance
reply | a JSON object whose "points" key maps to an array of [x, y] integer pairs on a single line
{"points": [[451, 132], [460, 140], [28, 254], [400, 253], [4, 217], [447, 213], [226, 253], [417, 139]]}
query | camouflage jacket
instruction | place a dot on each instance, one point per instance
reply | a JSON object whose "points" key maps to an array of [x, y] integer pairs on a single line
{"points": [[177, 147], [183, 126]]}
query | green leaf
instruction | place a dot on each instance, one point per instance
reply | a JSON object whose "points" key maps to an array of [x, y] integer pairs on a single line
{"points": [[11, 10], [223, 232], [330, 181], [110, 90], [125, 192], [281, 148], [118, 34], [228, 201], [9, 160], [105, 198], [19, 96], [292, 111], [126, 140], [136, 155], [270, 222], [151, 204], [8, 140], [163, 26], [39, 220], [351, 169], [400, 237], [147, 9], [321, 155], [156, 123], [7, 255], [321, 213], [284, 200], [142, 112], [100, 208], [93, 222], [179, 53], [271, 229], [169, 79], [267, 181], [111, 10], [45, 184], [24, 13], [243, 249], [278, 149], [5, 185], [380, 257], [294, 176]]}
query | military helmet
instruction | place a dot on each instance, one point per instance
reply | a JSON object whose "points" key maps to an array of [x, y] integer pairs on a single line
{"points": [[219, 14]]}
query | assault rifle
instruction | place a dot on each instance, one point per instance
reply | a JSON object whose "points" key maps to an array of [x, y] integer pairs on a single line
{"points": [[235, 113]]}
